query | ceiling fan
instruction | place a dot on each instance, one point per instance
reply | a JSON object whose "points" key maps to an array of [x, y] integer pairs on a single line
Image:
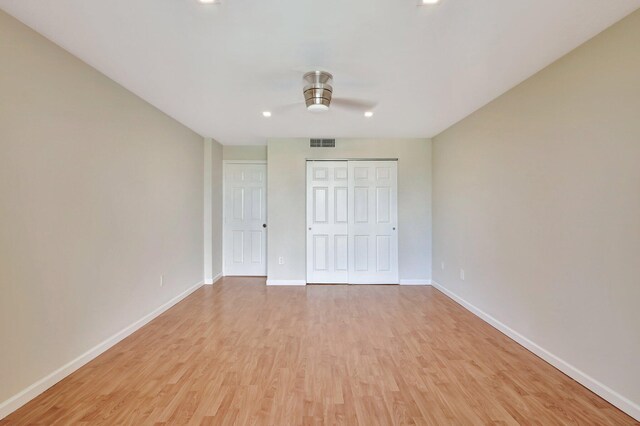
{"points": [[318, 95]]}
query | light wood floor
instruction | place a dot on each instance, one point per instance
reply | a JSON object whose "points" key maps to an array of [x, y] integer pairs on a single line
{"points": [[242, 353]]}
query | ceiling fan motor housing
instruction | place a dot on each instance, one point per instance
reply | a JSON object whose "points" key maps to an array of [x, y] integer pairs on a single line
{"points": [[318, 90]]}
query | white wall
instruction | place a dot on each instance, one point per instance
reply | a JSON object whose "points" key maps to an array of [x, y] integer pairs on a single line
{"points": [[537, 197], [287, 194], [100, 194]]}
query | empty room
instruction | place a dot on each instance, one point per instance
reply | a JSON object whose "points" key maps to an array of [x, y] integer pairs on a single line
{"points": [[320, 212]]}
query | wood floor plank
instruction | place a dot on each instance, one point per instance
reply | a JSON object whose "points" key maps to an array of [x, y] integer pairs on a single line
{"points": [[242, 353]]}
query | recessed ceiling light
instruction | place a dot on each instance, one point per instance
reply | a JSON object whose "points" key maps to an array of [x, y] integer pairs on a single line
{"points": [[208, 1], [368, 114], [266, 114], [429, 1]]}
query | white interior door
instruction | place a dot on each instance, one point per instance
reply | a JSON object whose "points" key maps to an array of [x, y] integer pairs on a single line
{"points": [[327, 222], [352, 220], [373, 222], [245, 219]]}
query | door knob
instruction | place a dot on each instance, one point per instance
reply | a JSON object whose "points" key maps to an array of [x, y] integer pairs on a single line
{"points": [[264, 225]]}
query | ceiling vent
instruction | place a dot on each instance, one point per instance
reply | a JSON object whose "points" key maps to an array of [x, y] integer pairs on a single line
{"points": [[322, 143]]}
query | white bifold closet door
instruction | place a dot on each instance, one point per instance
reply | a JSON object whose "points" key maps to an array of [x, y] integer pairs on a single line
{"points": [[327, 222], [352, 222], [373, 222]]}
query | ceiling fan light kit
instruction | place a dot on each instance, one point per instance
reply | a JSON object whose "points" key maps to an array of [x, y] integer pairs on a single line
{"points": [[318, 95], [318, 90]]}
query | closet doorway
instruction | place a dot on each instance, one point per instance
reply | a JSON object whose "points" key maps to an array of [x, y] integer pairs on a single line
{"points": [[352, 222]]}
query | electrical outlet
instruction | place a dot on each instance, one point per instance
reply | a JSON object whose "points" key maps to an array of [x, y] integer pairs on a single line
{"points": [[281, 260], [161, 280], [442, 265], [462, 274]]}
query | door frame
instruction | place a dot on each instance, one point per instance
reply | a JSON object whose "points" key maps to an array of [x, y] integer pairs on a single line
{"points": [[224, 206], [306, 161]]}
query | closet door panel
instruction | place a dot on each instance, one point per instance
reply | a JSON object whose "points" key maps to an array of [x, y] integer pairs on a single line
{"points": [[327, 222], [373, 236]]}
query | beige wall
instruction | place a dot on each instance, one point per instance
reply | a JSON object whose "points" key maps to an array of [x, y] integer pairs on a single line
{"points": [[212, 210], [246, 152], [286, 182], [216, 184], [100, 194], [537, 197]]}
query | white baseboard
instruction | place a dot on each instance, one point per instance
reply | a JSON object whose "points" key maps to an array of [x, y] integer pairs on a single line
{"points": [[623, 403], [415, 282], [12, 404], [213, 280], [286, 282], [303, 282]]}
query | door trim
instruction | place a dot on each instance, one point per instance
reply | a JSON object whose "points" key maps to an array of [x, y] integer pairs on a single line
{"points": [[351, 159], [244, 161], [224, 205]]}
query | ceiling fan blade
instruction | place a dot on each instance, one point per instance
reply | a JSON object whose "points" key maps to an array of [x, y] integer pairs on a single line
{"points": [[353, 104]]}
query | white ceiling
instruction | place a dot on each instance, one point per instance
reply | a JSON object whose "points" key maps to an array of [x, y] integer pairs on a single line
{"points": [[215, 68]]}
